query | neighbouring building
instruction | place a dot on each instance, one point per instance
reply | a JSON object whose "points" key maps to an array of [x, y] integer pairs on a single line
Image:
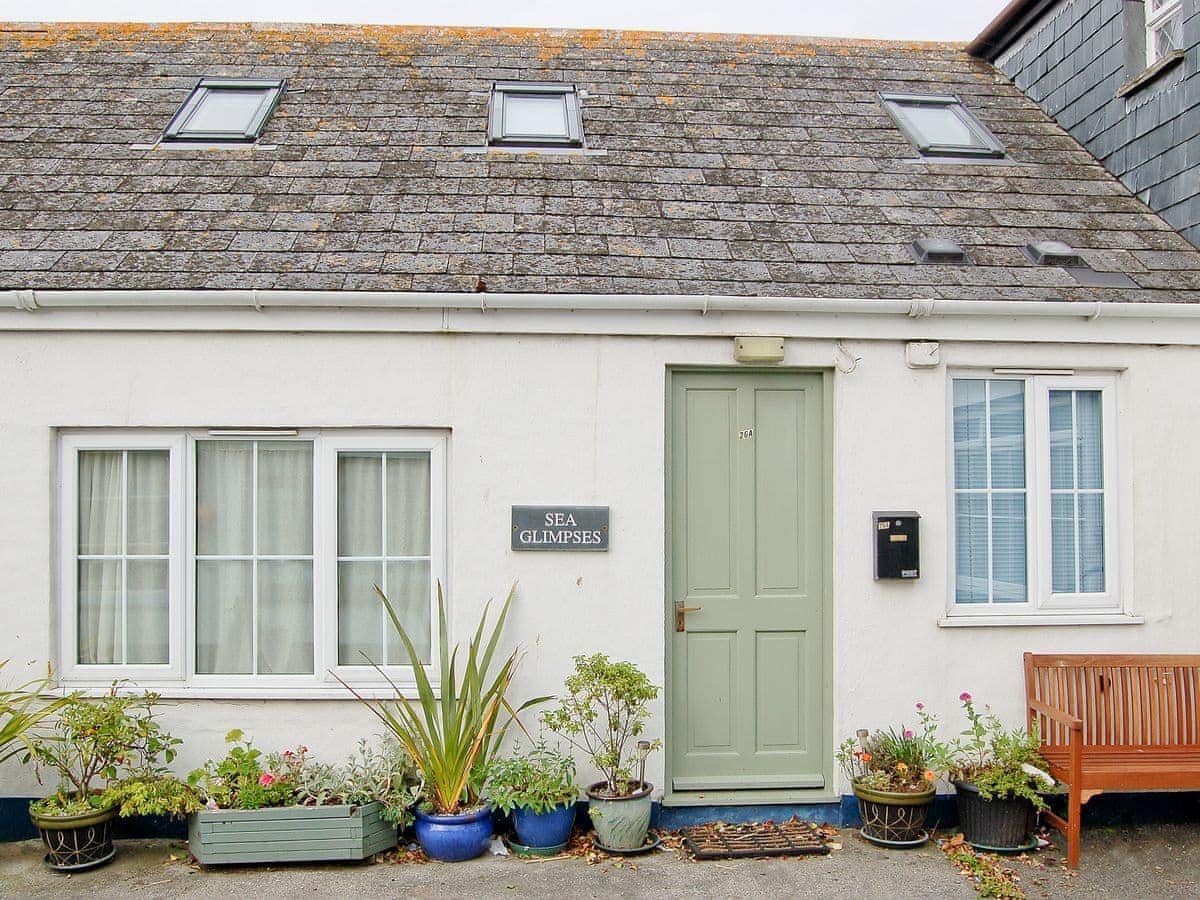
{"points": [[289, 311], [1122, 77]]}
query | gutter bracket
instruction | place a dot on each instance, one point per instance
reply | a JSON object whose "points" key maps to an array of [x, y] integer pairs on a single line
{"points": [[258, 307], [920, 309], [26, 300]]}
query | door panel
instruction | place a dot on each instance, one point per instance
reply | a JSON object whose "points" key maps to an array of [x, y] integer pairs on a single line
{"points": [[747, 535]]}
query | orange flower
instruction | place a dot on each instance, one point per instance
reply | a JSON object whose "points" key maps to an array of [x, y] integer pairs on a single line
{"points": [[867, 757], [901, 767], [930, 776]]}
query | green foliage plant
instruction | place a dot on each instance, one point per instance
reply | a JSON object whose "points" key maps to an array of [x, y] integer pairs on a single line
{"points": [[24, 708], [109, 752], [539, 780], [385, 773], [454, 737], [897, 760], [244, 778], [1001, 763], [603, 713]]}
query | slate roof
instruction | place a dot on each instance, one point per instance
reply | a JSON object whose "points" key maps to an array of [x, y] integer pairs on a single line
{"points": [[731, 165]]}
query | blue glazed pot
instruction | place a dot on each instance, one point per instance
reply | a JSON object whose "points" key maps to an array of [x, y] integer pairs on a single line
{"points": [[545, 829], [454, 838]]}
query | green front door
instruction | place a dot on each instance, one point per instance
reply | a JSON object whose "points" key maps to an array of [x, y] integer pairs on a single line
{"points": [[747, 539]]}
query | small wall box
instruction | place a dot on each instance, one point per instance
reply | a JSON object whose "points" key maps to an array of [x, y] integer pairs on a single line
{"points": [[897, 545]]}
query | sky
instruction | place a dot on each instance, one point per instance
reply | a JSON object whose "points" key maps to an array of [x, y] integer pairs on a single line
{"points": [[936, 20]]}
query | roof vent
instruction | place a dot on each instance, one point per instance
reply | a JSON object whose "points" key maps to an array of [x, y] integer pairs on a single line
{"points": [[1053, 253], [937, 250]]}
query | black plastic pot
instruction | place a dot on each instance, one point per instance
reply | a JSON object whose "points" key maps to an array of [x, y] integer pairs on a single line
{"points": [[1001, 823]]}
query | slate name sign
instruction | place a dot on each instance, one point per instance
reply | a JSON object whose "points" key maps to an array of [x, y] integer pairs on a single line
{"points": [[560, 527]]}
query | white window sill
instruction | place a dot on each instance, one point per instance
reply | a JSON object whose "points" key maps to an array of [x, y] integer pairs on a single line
{"points": [[175, 691], [1040, 620]]}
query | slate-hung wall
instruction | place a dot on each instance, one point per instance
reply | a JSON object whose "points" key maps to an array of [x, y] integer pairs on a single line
{"points": [[1074, 64]]}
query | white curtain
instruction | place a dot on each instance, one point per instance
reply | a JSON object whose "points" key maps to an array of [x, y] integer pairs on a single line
{"points": [[383, 539], [123, 541], [254, 615]]}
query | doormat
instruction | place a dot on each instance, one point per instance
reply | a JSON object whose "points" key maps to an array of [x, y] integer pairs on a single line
{"points": [[723, 841]]}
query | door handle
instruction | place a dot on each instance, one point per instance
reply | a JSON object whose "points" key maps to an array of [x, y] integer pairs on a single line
{"points": [[681, 612]]}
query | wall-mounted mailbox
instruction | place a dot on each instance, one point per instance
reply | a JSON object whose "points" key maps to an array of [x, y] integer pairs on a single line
{"points": [[897, 545]]}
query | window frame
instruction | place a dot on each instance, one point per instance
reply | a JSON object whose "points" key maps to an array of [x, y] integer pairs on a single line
{"points": [[894, 103], [177, 130], [1155, 19], [1041, 602], [179, 677], [502, 90]]}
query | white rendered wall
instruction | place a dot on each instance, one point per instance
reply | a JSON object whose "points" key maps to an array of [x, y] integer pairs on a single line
{"points": [[580, 420]]}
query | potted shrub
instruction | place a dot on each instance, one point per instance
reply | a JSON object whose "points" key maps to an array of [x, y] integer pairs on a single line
{"points": [[538, 789], [997, 776], [109, 754], [453, 733], [603, 714], [892, 774], [287, 807]]}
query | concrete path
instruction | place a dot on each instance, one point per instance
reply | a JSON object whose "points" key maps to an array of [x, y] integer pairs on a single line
{"points": [[1148, 861]]}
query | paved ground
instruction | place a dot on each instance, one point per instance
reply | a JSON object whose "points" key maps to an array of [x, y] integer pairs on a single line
{"points": [[1129, 862]]}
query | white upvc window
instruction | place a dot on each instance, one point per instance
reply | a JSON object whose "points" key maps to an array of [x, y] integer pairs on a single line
{"points": [[1033, 495], [244, 562], [1164, 29]]}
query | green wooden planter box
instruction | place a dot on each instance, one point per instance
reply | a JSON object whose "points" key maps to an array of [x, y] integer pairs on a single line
{"points": [[288, 834]]}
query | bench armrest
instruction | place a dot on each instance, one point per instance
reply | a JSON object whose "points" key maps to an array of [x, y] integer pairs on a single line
{"points": [[1058, 715]]}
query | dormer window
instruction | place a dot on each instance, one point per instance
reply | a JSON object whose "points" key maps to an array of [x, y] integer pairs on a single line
{"points": [[1164, 29], [939, 125], [225, 109], [535, 114]]}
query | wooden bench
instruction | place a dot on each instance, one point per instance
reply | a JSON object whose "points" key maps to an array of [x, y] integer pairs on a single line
{"points": [[1119, 721]]}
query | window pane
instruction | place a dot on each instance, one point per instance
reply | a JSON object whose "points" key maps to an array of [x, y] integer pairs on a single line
{"points": [[99, 612], [1008, 548], [224, 617], [149, 480], [535, 115], [148, 611], [361, 615], [1062, 544], [408, 592], [223, 109], [285, 498], [970, 446], [408, 504], [285, 617], [360, 498], [1007, 415], [971, 548], [224, 481], [938, 124], [100, 502], [1062, 441], [1090, 440], [1091, 543]]}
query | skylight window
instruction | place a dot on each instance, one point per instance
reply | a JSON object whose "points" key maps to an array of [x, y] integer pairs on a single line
{"points": [[939, 125], [225, 109], [540, 114]]}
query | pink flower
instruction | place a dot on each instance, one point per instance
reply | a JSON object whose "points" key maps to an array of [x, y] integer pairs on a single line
{"points": [[266, 779], [965, 697], [303, 749], [288, 753], [920, 706], [908, 732]]}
